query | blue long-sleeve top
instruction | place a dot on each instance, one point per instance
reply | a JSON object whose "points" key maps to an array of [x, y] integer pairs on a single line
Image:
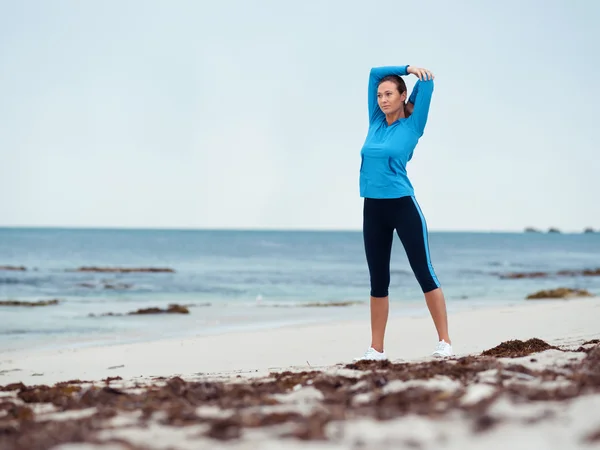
{"points": [[388, 148]]}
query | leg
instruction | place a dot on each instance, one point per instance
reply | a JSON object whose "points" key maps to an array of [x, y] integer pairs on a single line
{"points": [[412, 231], [378, 236], [380, 307], [437, 308]]}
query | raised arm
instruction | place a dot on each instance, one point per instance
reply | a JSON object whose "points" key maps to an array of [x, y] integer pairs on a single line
{"points": [[420, 97], [377, 73]]}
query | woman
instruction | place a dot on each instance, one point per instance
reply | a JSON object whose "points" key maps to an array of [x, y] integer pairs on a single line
{"points": [[395, 127]]}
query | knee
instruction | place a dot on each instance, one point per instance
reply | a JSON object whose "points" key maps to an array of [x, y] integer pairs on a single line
{"points": [[380, 286], [426, 277], [379, 292], [428, 283]]}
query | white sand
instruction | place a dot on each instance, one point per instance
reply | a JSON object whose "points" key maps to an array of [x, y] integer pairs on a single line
{"points": [[314, 346], [537, 425]]}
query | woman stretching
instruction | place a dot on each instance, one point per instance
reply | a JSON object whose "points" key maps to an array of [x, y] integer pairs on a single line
{"points": [[395, 127]]}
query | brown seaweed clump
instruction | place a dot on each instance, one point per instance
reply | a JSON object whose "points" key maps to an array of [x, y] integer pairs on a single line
{"points": [[519, 275], [22, 303], [330, 304], [304, 402], [106, 285], [593, 437], [173, 308], [559, 293], [516, 348], [125, 269], [560, 273], [15, 268]]}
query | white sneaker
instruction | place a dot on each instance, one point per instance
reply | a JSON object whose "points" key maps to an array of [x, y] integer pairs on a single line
{"points": [[372, 355], [443, 349]]}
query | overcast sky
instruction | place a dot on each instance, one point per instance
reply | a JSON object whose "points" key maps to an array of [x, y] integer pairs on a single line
{"points": [[252, 114]]}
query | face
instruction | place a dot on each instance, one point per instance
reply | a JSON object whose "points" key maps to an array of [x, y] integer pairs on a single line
{"points": [[389, 99]]}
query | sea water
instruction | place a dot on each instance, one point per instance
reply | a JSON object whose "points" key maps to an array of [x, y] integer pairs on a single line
{"points": [[243, 280]]}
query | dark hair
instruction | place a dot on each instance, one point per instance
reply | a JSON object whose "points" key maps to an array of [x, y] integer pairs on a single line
{"points": [[398, 81]]}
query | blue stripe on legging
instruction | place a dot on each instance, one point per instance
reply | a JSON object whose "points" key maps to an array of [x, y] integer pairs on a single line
{"points": [[426, 239]]}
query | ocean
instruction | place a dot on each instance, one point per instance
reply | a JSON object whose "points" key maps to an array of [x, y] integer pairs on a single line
{"points": [[244, 280]]}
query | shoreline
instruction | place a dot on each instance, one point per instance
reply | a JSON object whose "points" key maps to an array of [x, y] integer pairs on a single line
{"points": [[409, 338], [304, 316]]}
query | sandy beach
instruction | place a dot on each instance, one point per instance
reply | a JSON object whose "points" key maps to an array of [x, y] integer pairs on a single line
{"points": [[296, 387]]}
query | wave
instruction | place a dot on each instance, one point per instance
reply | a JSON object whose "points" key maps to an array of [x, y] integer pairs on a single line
{"points": [[326, 304], [23, 281], [49, 331], [474, 272], [511, 264], [400, 272], [14, 332]]}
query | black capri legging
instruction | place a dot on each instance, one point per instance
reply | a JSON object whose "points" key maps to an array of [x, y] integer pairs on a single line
{"points": [[380, 218]]}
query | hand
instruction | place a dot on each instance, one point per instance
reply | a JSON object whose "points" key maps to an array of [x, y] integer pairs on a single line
{"points": [[422, 74]]}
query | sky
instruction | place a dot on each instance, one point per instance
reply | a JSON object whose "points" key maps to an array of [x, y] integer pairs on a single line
{"points": [[237, 114]]}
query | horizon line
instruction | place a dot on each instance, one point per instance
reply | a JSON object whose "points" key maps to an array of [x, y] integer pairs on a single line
{"points": [[525, 229]]}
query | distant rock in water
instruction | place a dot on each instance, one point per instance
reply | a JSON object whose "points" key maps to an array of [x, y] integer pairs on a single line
{"points": [[559, 293], [561, 273], [19, 268], [107, 285], [536, 230], [532, 230], [585, 272], [21, 303], [312, 305], [172, 309], [326, 304], [517, 275], [124, 269], [589, 230], [118, 286]]}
